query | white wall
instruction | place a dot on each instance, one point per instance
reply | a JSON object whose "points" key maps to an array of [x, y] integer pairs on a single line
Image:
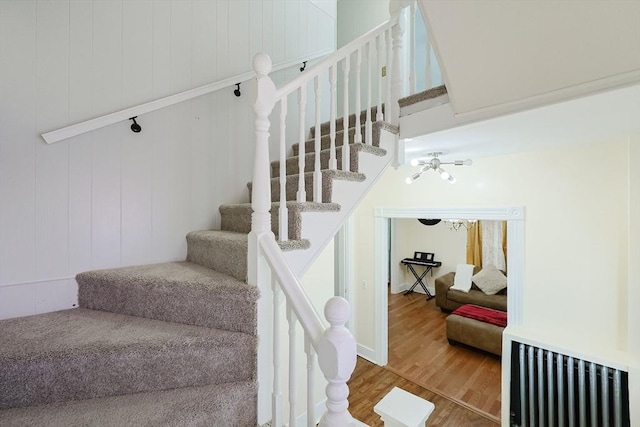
{"points": [[111, 198], [449, 247], [576, 235], [519, 50]]}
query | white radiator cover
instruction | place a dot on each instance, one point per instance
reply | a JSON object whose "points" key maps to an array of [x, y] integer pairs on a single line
{"points": [[550, 384]]}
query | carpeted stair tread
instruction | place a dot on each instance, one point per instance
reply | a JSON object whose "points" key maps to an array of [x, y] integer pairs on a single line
{"points": [[237, 217], [181, 292], [83, 354], [226, 251], [355, 150], [423, 96], [220, 405], [294, 245], [325, 141], [328, 176], [223, 251], [326, 126], [376, 127]]}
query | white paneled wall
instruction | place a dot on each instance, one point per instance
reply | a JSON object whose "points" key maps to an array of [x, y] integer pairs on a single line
{"points": [[111, 197]]}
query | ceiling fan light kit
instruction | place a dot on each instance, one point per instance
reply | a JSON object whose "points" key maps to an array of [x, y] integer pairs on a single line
{"points": [[435, 164]]}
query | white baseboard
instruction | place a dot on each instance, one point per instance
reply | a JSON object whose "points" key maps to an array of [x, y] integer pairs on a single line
{"points": [[37, 297], [367, 353], [405, 286], [319, 410]]}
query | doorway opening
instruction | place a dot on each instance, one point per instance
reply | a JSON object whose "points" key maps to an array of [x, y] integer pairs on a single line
{"points": [[514, 216]]}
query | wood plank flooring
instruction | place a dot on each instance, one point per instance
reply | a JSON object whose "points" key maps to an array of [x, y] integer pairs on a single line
{"points": [[420, 352], [462, 382], [373, 382]]}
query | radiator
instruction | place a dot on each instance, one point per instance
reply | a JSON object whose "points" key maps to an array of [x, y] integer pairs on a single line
{"points": [[551, 389]]}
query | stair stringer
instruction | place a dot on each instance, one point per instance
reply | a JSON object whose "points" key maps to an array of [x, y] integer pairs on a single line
{"points": [[348, 195]]}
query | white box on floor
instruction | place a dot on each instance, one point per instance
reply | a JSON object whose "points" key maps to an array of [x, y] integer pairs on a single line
{"points": [[399, 408]]}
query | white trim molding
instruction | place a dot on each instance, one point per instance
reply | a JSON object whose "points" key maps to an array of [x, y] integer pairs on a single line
{"points": [[514, 215]]}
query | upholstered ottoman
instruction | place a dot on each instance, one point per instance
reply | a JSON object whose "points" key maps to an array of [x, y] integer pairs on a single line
{"points": [[478, 327]]}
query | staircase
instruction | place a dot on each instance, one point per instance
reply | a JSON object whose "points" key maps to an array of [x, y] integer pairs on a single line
{"points": [[177, 343], [162, 344]]}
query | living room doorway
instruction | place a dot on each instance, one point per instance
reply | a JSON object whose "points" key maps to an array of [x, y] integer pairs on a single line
{"points": [[515, 259]]}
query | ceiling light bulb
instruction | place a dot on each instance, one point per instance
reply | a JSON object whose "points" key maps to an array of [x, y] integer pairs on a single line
{"points": [[412, 178], [415, 162], [443, 173], [468, 162], [451, 179]]}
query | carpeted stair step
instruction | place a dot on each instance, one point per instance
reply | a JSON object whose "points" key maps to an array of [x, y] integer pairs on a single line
{"points": [[223, 251], [326, 126], [423, 96], [328, 176], [355, 150], [181, 292], [84, 354], [375, 139], [237, 217], [226, 251], [224, 405], [325, 141]]}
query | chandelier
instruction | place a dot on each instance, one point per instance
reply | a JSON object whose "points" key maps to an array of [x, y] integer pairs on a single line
{"points": [[435, 164], [456, 224]]}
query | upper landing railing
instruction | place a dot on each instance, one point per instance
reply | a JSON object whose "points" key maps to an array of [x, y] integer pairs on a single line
{"points": [[128, 113]]}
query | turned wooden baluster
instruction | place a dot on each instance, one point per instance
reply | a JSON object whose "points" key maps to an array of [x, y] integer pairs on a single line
{"points": [[397, 79], [291, 318], [346, 162], [283, 211], [311, 369], [358, 129], [333, 76], [412, 48], [428, 78], [337, 358], [301, 196], [379, 116], [368, 125], [317, 175], [276, 400], [387, 40]]}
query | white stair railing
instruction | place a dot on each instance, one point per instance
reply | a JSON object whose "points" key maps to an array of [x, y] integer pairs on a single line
{"points": [[360, 61]]}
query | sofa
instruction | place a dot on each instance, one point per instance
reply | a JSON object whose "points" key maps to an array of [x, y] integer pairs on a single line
{"points": [[449, 299]]}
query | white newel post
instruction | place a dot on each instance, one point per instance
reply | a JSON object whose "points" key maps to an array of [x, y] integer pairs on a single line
{"points": [[397, 69], [337, 359], [257, 269]]}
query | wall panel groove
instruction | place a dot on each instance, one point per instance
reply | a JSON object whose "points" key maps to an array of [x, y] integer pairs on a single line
{"points": [[111, 197]]}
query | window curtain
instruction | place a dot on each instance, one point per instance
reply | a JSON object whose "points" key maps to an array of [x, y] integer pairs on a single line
{"points": [[474, 245], [492, 241], [487, 244]]}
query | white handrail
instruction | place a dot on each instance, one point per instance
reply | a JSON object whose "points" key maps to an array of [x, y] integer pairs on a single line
{"points": [[305, 312], [125, 114], [333, 343]]}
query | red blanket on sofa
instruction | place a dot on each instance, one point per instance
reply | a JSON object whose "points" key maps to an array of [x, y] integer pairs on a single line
{"points": [[482, 314]]}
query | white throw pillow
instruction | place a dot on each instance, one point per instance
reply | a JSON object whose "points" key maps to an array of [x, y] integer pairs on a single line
{"points": [[490, 280], [462, 280]]}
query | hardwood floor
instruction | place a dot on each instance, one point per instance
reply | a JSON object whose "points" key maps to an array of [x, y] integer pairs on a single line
{"points": [[420, 352], [373, 382], [463, 383]]}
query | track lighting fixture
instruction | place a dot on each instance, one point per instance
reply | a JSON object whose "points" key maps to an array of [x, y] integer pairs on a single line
{"points": [[435, 164]]}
